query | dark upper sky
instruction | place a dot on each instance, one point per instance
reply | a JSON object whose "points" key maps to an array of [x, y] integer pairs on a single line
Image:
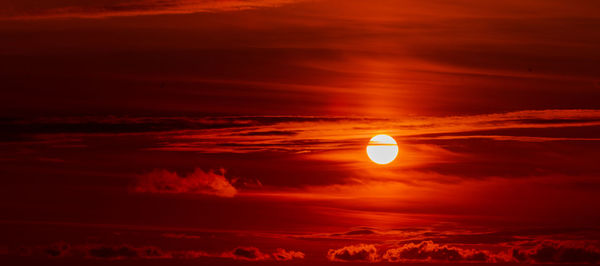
{"points": [[381, 58], [234, 132]]}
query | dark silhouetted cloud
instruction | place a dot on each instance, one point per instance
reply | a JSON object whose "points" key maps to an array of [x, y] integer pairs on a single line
{"points": [[124, 251], [357, 232], [246, 253], [557, 252], [200, 182], [117, 252], [58, 249]]}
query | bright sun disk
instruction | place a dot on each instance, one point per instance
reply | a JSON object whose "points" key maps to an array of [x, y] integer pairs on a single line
{"points": [[382, 149]]}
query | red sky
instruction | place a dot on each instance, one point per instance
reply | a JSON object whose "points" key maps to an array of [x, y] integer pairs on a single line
{"points": [[234, 132]]}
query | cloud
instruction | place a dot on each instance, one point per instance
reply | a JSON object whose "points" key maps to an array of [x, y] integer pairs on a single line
{"points": [[198, 182], [429, 251], [124, 251], [309, 133], [254, 254], [361, 252], [444, 150], [58, 249], [118, 252], [358, 232], [426, 251], [284, 255], [112, 8], [180, 236], [246, 253], [269, 133], [304, 134], [557, 252]]}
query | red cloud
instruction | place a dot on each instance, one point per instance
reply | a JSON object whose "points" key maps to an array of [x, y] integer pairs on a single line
{"points": [[246, 253], [360, 252], [200, 182], [429, 251], [254, 254], [109, 252], [126, 252], [557, 252], [282, 254], [121, 252], [426, 251]]}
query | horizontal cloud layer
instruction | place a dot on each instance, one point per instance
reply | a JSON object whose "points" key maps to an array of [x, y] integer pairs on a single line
{"points": [[122, 252], [428, 251], [242, 134]]}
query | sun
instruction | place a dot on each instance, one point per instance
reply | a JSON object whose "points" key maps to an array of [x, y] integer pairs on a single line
{"points": [[382, 149]]}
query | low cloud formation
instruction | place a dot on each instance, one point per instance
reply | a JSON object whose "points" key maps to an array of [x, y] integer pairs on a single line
{"points": [[360, 252], [126, 252], [118, 252], [254, 254], [556, 252], [198, 182], [425, 251], [58, 249], [429, 251], [284, 255], [246, 253], [122, 252]]}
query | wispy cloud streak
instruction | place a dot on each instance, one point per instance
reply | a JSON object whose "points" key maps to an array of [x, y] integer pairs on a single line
{"points": [[96, 9]]}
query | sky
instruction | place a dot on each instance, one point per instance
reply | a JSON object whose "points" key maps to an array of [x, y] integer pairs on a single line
{"points": [[205, 132]]}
